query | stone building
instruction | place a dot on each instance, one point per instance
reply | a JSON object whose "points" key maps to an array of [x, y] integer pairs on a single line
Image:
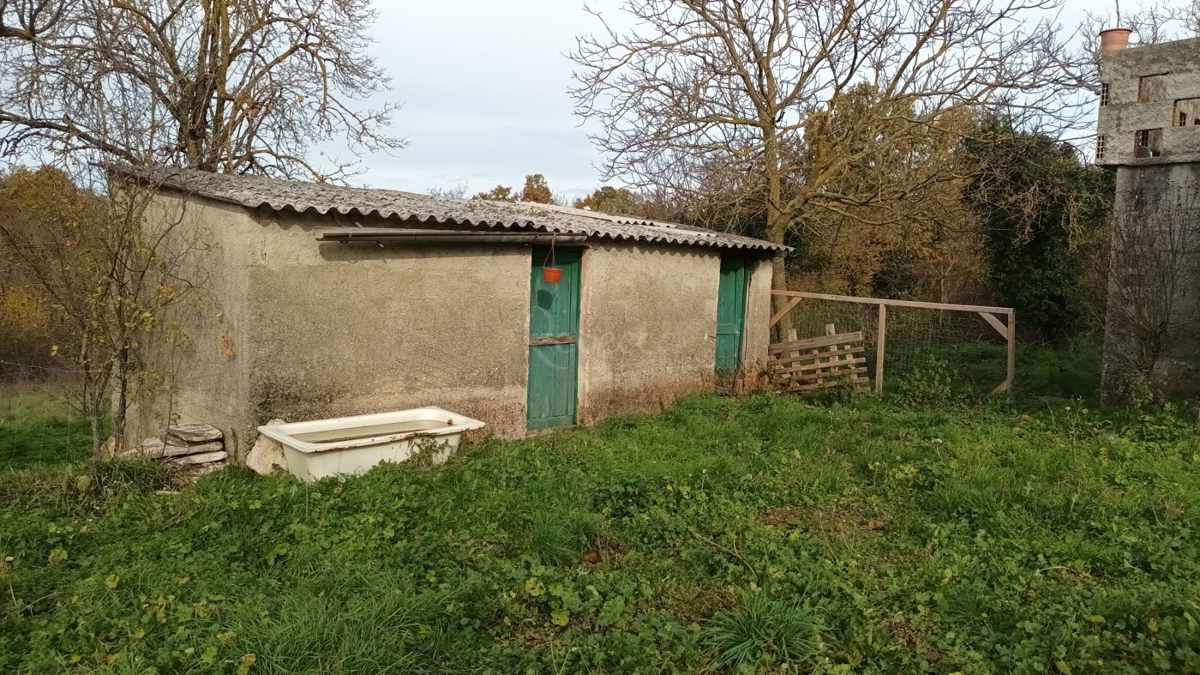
{"points": [[1149, 131], [329, 301]]}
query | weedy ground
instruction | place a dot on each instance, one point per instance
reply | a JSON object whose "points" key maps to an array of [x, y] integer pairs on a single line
{"points": [[921, 531]]}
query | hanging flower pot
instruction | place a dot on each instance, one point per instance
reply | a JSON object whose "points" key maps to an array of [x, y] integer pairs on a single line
{"points": [[551, 274]]}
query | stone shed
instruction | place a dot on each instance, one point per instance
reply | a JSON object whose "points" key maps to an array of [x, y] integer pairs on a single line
{"points": [[330, 301]]}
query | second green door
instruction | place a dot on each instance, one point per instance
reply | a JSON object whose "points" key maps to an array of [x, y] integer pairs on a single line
{"points": [[731, 316]]}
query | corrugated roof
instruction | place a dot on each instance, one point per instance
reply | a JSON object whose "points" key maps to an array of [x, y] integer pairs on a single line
{"points": [[259, 192]]}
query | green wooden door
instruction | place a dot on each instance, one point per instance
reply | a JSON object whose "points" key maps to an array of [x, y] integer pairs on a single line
{"points": [[553, 341], [731, 315]]}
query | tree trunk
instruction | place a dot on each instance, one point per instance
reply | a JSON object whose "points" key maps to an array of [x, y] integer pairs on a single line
{"points": [[94, 425], [778, 223]]}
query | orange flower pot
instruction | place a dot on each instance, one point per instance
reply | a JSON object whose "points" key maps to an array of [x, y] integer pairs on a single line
{"points": [[552, 275]]}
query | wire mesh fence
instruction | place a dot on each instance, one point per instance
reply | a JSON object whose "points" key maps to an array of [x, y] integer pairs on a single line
{"points": [[38, 422], [956, 343]]}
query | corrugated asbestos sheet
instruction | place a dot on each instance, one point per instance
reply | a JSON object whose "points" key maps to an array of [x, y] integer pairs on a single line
{"points": [[257, 192]]}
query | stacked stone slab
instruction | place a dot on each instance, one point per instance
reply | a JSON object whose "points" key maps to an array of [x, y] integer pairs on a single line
{"points": [[196, 447]]}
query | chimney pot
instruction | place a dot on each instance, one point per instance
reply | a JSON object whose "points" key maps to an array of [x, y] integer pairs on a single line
{"points": [[1114, 39]]}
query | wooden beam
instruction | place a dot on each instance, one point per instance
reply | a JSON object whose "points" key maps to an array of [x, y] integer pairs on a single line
{"points": [[880, 341], [835, 357], [398, 235], [784, 312], [1012, 350], [1011, 334], [894, 303], [818, 377], [543, 341], [820, 366], [799, 387], [996, 323], [816, 343]]}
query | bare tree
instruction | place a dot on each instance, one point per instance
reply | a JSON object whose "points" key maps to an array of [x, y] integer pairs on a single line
{"points": [[1151, 23], [1154, 286], [755, 85], [110, 274], [241, 86]]}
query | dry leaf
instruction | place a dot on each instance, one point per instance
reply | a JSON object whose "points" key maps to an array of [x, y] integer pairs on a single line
{"points": [[875, 525], [592, 557]]}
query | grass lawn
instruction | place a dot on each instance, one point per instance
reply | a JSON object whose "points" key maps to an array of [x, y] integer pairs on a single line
{"points": [[38, 428], [725, 535]]}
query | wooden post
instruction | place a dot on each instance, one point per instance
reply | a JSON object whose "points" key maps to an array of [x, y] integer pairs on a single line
{"points": [[792, 337], [830, 329], [880, 341], [1012, 349]]}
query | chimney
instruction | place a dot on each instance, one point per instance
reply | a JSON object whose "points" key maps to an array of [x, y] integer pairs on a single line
{"points": [[1114, 39]]}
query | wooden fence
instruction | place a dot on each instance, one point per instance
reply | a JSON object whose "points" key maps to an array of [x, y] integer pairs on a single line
{"points": [[803, 370]]}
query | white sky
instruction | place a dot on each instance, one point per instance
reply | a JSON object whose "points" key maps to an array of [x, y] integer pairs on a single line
{"points": [[483, 83]]}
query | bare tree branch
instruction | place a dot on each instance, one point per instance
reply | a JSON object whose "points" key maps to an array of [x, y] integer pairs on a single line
{"points": [[218, 85]]}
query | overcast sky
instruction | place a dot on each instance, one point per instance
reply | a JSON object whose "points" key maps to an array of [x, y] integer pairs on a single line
{"points": [[483, 85]]}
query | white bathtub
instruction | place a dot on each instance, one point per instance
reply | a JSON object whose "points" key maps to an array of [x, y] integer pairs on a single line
{"points": [[352, 445]]}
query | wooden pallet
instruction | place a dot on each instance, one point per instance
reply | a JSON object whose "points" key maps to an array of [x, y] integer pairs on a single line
{"points": [[831, 360]]}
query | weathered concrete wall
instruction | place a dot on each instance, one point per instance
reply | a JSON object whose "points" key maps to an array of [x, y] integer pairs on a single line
{"points": [[758, 333], [1154, 278], [204, 377], [648, 320], [1119, 121], [354, 329]]}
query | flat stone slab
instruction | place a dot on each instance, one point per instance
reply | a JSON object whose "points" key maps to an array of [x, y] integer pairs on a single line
{"points": [[203, 458], [154, 448], [193, 432], [198, 449]]}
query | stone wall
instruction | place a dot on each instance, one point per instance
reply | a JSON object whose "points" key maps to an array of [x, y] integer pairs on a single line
{"points": [[1154, 279], [1178, 64], [1154, 272]]}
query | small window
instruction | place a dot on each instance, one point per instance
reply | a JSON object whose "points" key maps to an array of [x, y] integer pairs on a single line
{"points": [[1100, 146], [1103, 93], [1152, 88], [1148, 143], [1187, 112]]}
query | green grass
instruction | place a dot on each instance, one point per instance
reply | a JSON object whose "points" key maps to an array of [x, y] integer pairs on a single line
{"points": [[1071, 372], [37, 428], [725, 535]]}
